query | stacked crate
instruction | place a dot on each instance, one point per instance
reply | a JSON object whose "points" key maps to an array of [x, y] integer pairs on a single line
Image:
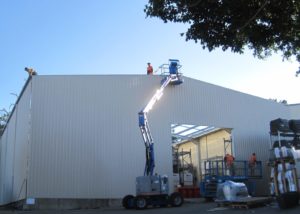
{"points": [[285, 161]]}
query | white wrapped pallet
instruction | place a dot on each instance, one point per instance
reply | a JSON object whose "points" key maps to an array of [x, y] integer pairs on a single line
{"points": [[297, 166], [291, 181], [280, 182], [296, 154], [288, 166], [272, 173], [272, 188], [232, 191], [277, 152], [284, 151], [285, 165]]}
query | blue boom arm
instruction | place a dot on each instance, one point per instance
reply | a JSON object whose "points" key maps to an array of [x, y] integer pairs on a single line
{"points": [[175, 78]]}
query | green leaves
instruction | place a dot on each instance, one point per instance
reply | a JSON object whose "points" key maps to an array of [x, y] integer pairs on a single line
{"points": [[4, 115], [264, 26]]}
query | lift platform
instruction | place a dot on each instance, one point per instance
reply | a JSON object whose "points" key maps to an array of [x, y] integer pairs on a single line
{"points": [[153, 189], [216, 172]]}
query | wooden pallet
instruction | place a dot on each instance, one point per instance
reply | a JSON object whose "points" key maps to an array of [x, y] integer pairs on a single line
{"points": [[246, 203]]}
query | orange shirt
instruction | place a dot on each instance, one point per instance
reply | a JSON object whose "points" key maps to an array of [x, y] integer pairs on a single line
{"points": [[252, 159], [149, 69], [229, 160]]}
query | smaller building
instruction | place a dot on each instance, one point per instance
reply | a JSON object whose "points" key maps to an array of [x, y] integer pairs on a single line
{"points": [[210, 143]]}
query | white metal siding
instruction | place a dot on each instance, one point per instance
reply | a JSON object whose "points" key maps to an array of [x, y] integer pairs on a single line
{"points": [[200, 103], [14, 152], [7, 153], [3, 166], [294, 111], [21, 149], [196, 102], [86, 141], [85, 137]]}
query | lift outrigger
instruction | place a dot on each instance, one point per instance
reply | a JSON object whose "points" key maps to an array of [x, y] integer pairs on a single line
{"points": [[154, 189]]}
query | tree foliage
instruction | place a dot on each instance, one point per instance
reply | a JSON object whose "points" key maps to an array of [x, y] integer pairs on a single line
{"points": [[279, 101], [264, 26], [4, 115]]}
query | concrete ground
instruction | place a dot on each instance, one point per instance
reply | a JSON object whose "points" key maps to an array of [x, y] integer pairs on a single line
{"points": [[191, 206]]}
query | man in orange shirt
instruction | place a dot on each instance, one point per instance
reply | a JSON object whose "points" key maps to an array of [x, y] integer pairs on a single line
{"points": [[30, 71], [149, 69], [252, 163], [229, 163]]}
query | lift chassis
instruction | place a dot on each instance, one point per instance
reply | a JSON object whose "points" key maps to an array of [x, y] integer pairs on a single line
{"points": [[153, 190]]}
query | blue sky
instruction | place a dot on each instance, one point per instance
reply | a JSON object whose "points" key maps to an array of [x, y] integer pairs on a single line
{"points": [[115, 37]]}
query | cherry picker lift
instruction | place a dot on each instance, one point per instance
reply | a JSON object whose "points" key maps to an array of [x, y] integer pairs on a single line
{"points": [[154, 189]]}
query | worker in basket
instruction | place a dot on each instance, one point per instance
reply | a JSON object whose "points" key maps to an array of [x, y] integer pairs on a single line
{"points": [[229, 163], [252, 163]]}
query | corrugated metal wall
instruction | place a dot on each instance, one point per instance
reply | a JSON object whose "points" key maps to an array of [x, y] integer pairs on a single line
{"points": [[6, 161], [84, 137], [86, 142], [14, 151], [294, 111]]}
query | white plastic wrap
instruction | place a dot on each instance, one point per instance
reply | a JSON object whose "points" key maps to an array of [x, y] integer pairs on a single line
{"points": [[272, 188], [272, 172], [296, 153], [290, 152], [280, 182], [284, 151], [232, 191], [291, 181], [288, 166], [277, 152]]}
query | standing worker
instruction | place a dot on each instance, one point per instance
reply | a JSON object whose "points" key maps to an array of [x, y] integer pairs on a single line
{"points": [[228, 159], [149, 69], [30, 71], [252, 163]]}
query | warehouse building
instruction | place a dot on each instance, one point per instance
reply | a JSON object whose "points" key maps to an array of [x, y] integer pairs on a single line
{"points": [[76, 138], [295, 110]]}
